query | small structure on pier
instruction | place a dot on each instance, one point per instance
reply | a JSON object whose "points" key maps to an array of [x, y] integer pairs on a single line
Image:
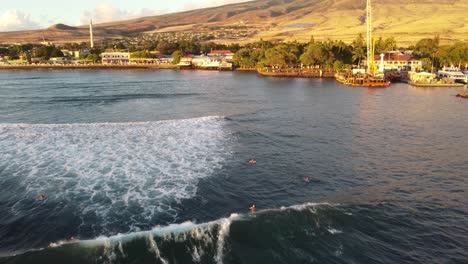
{"points": [[369, 78]]}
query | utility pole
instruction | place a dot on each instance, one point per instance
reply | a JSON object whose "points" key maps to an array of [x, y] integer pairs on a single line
{"points": [[91, 33], [370, 48]]}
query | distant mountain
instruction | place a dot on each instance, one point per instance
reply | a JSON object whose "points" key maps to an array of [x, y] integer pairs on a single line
{"points": [[286, 20]]}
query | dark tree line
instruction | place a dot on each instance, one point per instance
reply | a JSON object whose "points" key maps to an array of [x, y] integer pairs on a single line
{"points": [[335, 54]]}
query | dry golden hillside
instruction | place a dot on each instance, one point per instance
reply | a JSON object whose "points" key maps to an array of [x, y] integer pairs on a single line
{"points": [[286, 20]]}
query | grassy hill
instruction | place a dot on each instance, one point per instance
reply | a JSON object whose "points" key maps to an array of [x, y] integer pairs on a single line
{"points": [[284, 20]]}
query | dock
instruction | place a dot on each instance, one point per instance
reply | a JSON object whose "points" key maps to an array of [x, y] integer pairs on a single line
{"points": [[436, 85], [463, 94], [301, 73]]}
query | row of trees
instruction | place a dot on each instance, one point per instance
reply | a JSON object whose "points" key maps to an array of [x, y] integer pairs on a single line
{"points": [[339, 55], [435, 55], [325, 54]]}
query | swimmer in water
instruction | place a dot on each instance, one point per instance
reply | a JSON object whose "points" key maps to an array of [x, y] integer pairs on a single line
{"points": [[41, 197], [306, 179], [253, 208], [252, 161]]}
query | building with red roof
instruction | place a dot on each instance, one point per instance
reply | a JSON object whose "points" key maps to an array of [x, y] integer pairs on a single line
{"points": [[396, 60], [222, 54]]}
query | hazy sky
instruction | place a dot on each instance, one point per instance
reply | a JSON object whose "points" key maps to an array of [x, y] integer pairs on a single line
{"points": [[33, 14]]}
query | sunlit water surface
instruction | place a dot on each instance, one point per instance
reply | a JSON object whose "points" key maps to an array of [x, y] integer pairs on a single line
{"points": [[151, 167]]}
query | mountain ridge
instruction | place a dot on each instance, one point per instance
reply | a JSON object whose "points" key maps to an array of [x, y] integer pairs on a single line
{"points": [[283, 20]]}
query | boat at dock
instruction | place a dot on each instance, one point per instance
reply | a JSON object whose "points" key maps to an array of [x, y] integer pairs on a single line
{"points": [[294, 72], [361, 79], [368, 77], [452, 73], [426, 79]]}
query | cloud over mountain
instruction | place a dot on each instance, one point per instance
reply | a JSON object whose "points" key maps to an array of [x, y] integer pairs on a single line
{"points": [[12, 20], [107, 13]]}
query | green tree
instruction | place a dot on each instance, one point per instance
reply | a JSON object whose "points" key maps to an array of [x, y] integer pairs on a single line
{"points": [[359, 49], [247, 58], [314, 54], [93, 57], [281, 55], [47, 52], [176, 56], [456, 54]]}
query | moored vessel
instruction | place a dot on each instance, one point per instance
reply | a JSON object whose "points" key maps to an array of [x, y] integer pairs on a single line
{"points": [[452, 73]]}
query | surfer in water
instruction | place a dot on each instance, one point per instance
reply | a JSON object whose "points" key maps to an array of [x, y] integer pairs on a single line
{"points": [[252, 162], [41, 197], [253, 208]]}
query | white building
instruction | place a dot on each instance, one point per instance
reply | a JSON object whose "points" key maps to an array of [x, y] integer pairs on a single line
{"points": [[396, 60], [115, 57], [222, 54], [198, 61]]}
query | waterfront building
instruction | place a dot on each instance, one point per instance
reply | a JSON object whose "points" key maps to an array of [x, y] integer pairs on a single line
{"points": [[222, 54], [422, 77], [199, 61], [115, 57], [185, 61], [224, 65], [164, 59], [60, 60], [396, 60]]}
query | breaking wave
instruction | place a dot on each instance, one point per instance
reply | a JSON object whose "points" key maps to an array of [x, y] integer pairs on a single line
{"points": [[112, 177], [305, 233], [188, 242]]}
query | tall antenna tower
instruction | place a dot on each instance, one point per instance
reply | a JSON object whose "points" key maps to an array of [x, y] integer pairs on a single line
{"points": [[91, 33], [370, 47]]}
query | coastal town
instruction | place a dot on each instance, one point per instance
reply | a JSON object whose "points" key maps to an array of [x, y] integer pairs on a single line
{"points": [[233, 131], [367, 62]]}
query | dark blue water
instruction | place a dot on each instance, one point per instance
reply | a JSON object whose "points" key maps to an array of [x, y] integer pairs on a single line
{"points": [[151, 167]]}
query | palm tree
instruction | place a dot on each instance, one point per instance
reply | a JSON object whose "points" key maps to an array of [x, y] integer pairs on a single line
{"points": [[359, 49]]}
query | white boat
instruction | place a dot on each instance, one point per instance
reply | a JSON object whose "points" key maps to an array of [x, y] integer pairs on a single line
{"points": [[452, 73]]}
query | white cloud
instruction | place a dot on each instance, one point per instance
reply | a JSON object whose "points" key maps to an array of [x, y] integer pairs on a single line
{"points": [[13, 20], [211, 3], [107, 13]]}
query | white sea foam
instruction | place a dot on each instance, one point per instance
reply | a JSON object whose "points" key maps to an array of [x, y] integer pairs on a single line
{"points": [[128, 173], [334, 231]]}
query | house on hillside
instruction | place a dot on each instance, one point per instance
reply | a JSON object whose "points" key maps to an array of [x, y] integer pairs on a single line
{"points": [[396, 60]]}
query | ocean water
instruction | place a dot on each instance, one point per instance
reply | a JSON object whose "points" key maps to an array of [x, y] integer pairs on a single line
{"points": [[143, 166]]}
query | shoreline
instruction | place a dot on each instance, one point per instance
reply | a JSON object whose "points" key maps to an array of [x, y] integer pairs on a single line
{"points": [[436, 85], [322, 74], [84, 67], [298, 73]]}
